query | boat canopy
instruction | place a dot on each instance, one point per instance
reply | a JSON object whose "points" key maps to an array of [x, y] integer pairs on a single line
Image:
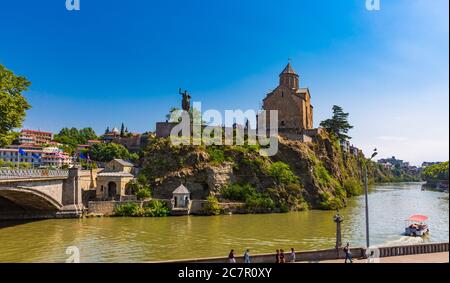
{"points": [[418, 218]]}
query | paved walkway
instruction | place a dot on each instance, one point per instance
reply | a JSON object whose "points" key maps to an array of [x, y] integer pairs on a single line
{"points": [[420, 258]]}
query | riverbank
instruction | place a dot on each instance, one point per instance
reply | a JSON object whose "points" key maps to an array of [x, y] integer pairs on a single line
{"points": [[196, 207]]}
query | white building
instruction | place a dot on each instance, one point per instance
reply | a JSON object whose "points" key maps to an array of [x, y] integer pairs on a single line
{"points": [[46, 157]]}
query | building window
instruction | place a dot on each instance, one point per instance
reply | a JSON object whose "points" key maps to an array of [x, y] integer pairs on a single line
{"points": [[283, 123], [282, 94]]}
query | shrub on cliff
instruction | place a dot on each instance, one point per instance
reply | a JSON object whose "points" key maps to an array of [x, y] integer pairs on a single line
{"points": [[353, 187], [212, 206], [282, 173]]}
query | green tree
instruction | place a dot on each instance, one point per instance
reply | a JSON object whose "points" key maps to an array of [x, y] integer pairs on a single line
{"points": [[338, 126], [436, 172], [12, 104], [105, 152], [73, 137], [122, 130]]}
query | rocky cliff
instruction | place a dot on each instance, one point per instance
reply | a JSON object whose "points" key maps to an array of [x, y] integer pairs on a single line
{"points": [[317, 175]]}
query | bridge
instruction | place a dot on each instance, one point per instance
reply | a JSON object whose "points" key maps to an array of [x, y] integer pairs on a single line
{"points": [[40, 193]]}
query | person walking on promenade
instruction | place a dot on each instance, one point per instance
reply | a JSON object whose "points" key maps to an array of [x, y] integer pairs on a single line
{"points": [[293, 256], [277, 257], [247, 256], [282, 257], [231, 257], [348, 253]]}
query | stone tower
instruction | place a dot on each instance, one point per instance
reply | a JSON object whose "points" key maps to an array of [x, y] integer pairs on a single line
{"points": [[295, 112]]}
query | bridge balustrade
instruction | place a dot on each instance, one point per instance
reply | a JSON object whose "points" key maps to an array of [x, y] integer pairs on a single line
{"points": [[6, 174]]}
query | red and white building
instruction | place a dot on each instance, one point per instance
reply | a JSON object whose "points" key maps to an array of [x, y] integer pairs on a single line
{"points": [[35, 137]]}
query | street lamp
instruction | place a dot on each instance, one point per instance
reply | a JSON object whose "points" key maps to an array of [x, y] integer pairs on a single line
{"points": [[366, 193]]}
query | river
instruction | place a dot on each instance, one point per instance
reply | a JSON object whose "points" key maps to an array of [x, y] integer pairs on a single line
{"points": [[152, 239]]}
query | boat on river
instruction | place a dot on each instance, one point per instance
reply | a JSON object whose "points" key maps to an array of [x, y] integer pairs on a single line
{"points": [[416, 226]]}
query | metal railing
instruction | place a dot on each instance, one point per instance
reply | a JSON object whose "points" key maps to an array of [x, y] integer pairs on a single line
{"points": [[7, 174], [413, 249]]}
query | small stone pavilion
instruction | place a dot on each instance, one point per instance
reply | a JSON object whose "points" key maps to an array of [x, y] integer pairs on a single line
{"points": [[112, 180], [181, 197]]}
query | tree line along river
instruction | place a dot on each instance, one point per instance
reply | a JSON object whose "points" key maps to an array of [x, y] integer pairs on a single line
{"points": [[153, 239]]}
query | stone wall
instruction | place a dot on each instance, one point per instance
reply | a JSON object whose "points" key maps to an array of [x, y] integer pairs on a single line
{"points": [[163, 129], [105, 208]]}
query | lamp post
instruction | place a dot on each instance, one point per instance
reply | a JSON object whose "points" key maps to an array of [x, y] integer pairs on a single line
{"points": [[366, 195], [338, 220]]}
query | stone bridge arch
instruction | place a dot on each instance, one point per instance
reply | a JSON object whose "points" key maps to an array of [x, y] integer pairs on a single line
{"points": [[30, 199]]}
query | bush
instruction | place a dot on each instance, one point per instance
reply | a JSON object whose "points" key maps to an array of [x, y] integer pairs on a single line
{"points": [[153, 208], [139, 189], [212, 206], [216, 155], [353, 187], [127, 209], [259, 203], [282, 173], [238, 192]]}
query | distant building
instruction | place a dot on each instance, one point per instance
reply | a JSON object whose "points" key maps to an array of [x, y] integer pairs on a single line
{"points": [[35, 137], [110, 135], [393, 161], [38, 157], [111, 182], [132, 142]]}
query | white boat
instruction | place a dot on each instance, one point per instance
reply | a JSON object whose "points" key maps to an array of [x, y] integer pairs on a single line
{"points": [[416, 226]]}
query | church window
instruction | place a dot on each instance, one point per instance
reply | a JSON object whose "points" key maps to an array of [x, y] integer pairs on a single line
{"points": [[282, 94]]}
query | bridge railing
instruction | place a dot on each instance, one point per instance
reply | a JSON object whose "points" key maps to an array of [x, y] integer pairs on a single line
{"points": [[6, 174]]}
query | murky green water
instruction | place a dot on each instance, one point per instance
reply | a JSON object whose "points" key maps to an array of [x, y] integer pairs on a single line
{"points": [[151, 239]]}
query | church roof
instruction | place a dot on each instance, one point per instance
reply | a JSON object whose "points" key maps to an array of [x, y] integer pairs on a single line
{"points": [[288, 70], [181, 190]]}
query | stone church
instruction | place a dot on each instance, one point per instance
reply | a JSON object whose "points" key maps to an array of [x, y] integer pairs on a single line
{"points": [[295, 112]]}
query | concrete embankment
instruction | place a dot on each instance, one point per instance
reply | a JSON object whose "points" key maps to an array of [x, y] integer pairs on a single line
{"points": [[331, 254]]}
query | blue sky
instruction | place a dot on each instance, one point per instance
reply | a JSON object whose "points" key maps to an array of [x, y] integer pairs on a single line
{"points": [[116, 61]]}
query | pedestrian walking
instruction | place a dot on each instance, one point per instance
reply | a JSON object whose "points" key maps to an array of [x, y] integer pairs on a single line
{"points": [[231, 257], [247, 256], [348, 253], [282, 257], [293, 256]]}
